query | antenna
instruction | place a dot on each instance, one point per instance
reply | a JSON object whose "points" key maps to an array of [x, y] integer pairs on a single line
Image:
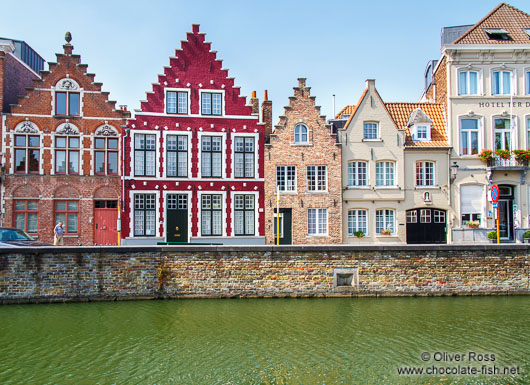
{"points": [[333, 106]]}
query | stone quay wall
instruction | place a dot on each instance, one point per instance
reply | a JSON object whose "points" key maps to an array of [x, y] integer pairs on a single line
{"points": [[57, 274]]}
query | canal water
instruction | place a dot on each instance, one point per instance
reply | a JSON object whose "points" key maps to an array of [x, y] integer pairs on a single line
{"points": [[266, 341]]}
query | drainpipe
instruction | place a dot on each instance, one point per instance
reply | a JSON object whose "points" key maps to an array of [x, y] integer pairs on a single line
{"points": [[121, 202]]}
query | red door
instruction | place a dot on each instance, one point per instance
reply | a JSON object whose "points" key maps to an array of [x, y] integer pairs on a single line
{"points": [[105, 223]]}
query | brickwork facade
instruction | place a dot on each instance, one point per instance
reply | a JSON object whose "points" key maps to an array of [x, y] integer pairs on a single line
{"points": [[437, 91], [194, 156], [62, 152], [66, 274], [304, 159]]}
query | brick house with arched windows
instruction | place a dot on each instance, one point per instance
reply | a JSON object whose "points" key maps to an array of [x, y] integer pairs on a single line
{"points": [[61, 152]]}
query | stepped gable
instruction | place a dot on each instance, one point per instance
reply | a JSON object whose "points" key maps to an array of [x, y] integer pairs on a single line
{"points": [[301, 106], [401, 113], [504, 16], [67, 66], [195, 66]]}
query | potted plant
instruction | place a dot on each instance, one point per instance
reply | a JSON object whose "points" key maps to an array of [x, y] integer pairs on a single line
{"points": [[526, 236], [359, 234], [492, 236], [386, 232], [522, 156], [473, 224], [503, 154], [486, 156]]}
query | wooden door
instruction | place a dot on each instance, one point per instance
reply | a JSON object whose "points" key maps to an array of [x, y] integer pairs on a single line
{"points": [[105, 222], [177, 218]]}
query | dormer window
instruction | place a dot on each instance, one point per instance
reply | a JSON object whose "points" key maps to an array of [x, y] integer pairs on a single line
{"points": [[300, 134], [211, 103], [527, 31], [497, 34], [421, 132], [67, 98]]}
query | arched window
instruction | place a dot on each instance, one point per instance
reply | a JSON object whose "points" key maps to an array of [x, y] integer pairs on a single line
{"points": [[300, 133], [106, 151], [27, 148], [67, 98]]}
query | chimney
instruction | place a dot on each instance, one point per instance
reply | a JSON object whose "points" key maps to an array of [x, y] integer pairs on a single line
{"points": [[266, 114], [254, 102]]}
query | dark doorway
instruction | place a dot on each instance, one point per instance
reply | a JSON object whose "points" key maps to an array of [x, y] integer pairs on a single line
{"points": [[426, 225], [506, 212], [286, 237], [177, 218]]}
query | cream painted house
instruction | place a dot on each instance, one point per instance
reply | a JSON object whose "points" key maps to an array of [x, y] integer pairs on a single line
{"points": [[395, 172], [483, 78]]}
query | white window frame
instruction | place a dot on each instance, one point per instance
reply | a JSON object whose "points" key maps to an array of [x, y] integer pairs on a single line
{"points": [[385, 163], [526, 81], [132, 193], [286, 191], [318, 218], [187, 90], [386, 221], [295, 132], [513, 81], [479, 130], [157, 149], [422, 177], [256, 154], [223, 215], [223, 154], [354, 176], [223, 102], [512, 131], [467, 71], [164, 138], [315, 173], [377, 134], [353, 221], [481, 211], [256, 212], [416, 131]]}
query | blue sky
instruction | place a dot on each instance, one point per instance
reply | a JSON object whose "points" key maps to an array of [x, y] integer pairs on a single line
{"points": [[336, 45]]}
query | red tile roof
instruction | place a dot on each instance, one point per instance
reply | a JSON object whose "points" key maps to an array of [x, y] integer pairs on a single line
{"points": [[400, 113], [348, 110], [504, 16]]}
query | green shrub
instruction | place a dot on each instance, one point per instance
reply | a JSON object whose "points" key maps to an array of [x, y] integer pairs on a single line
{"points": [[492, 235], [358, 234], [526, 234]]}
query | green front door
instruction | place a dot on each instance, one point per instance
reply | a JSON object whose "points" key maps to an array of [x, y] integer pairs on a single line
{"points": [[177, 218]]}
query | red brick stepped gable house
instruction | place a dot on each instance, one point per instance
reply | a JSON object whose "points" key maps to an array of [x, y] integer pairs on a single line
{"points": [[194, 156], [61, 156], [303, 160]]}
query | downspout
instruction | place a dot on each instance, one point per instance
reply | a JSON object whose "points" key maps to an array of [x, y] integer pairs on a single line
{"points": [[121, 202]]}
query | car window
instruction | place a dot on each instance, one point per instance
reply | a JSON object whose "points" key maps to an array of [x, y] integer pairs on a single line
{"points": [[7, 235]]}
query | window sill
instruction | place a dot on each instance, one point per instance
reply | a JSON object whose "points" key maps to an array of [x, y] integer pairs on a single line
{"points": [[71, 236], [358, 187], [427, 187], [387, 236], [372, 140], [302, 144], [288, 193], [66, 116], [318, 235], [317, 192], [387, 188]]}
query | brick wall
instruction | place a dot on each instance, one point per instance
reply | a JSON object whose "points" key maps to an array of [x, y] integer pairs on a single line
{"points": [[37, 108], [62, 274], [16, 78], [321, 149], [440, 83]]}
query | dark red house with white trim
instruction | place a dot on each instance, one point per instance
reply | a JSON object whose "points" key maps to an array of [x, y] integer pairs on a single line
{"points": [[194, 157]]}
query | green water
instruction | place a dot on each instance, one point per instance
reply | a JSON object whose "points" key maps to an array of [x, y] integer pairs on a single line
{"points": [[260, 341]]}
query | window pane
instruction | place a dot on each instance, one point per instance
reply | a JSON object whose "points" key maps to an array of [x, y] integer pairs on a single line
{"points": [[506, 82], [496, 83], [100, 143], [72, 206], [182, 102], [20, 221], [216, 104], [72, 223], [60, 206], [139, 222], [139, 142], [60, 142], [60, 161], [172, 163], [473, 83], [171, 102], [100, 162], [206, 103], [33, 205], [32, 223], [206, 165], [112, 144], [182, 164], [113, 162], [139, 165], [74, 104], [60, 103], [150, 142], [249, 222], [33, 161], [73, 162], [150, 163], [73, 142], [239, 165], [20, 160], [150, 224], [20, 205], [20, 140], [34, 141], [216, 164], [462, 83]]}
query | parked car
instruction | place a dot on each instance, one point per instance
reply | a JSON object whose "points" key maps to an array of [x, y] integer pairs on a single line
{"points": [[11, 237]]}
